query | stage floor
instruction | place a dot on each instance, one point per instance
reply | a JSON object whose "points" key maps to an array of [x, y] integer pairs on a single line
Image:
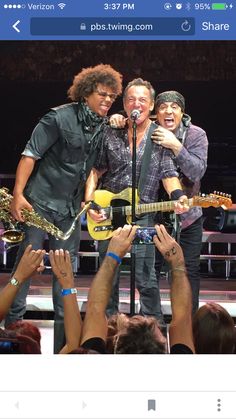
{"points": [[211, 289]]}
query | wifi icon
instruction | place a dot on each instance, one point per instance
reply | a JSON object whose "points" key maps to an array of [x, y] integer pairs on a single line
{"points": [[61, 5]]}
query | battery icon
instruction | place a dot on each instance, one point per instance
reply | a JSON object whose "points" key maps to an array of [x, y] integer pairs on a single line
{"points": [[219, 6]]}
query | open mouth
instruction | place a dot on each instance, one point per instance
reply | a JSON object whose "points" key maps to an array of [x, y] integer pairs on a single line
{"points": [[169, 122]]}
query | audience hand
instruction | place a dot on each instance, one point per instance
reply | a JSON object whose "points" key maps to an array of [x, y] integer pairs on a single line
{"points": [[121, 240], [31, 262], [62, 268], [168, 247]]}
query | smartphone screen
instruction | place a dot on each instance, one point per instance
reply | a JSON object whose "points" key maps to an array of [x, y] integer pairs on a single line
{"points": [[185, 46], [9, 346]]}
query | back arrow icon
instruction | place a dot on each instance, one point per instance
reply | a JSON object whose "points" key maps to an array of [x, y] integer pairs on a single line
{"points": [[15, 26]]}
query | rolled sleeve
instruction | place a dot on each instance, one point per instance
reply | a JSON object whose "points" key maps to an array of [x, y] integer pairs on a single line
{"points": [[168, 167], [28, 153], [43, 137]]}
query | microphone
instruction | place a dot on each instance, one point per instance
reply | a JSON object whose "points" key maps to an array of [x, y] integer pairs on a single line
{"points": [[135, 114]]}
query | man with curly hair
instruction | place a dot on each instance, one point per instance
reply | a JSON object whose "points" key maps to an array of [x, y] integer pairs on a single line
{"points": [[52, 172]]}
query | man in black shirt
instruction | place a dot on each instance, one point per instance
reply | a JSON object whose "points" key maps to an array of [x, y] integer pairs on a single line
{"points": [[52, 172]]}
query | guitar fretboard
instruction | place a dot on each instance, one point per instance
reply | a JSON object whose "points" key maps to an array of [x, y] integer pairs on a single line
{"points": [[165, 206]]}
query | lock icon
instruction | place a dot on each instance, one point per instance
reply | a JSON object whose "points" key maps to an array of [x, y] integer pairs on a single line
{"points": [[82, 27]]}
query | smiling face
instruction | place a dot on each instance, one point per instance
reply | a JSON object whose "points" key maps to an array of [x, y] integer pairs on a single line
{"points": [[101, 99], [138, 97], [169, 115]]}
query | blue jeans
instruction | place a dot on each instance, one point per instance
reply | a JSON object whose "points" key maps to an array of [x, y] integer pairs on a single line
{"points": [[190, 240], [36, 237], [145, 277]]}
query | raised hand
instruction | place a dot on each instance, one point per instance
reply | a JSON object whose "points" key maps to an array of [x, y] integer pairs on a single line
{"points": [[62, 268], [168, 247], [30, 263], [121, 240]]}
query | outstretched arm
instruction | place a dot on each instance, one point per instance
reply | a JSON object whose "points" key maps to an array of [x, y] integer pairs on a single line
{"points": [[181, 299], [95, 323], [30, 263], [61, 266]]}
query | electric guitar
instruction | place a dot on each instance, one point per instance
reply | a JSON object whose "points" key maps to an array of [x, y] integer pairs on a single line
{"points": [[118, 210]]}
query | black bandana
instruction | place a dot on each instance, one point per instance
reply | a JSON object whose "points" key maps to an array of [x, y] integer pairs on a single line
{"points": [[91, 118], [171, 96]]}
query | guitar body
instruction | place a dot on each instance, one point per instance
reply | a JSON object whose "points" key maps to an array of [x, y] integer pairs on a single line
{"points": [[117, 204], [118, 209]]}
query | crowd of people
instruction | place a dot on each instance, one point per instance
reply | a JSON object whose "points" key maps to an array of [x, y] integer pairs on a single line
{"points": [[75, 149], [211, 330]]}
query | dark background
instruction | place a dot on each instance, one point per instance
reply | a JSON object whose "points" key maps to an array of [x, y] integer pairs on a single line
{"points": [[35, 76]]}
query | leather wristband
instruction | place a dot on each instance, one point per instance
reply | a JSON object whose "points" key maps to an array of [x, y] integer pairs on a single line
{"points": [[176, 194]]}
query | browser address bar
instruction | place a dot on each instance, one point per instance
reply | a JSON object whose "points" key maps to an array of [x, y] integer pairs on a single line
{"points": [[112, 26]]}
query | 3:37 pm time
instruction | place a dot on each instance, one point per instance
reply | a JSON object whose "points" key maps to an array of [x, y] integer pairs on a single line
{"points": [[119, 6]]}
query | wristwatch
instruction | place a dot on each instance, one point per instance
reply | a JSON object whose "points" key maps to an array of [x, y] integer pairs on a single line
{"points": [[14, 281]]}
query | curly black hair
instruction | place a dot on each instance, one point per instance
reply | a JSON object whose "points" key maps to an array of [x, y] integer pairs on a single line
{"points": [[85, 82]]}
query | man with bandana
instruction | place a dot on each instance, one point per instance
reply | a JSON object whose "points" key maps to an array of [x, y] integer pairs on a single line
{"points": [[189, 145], [52, 172]]}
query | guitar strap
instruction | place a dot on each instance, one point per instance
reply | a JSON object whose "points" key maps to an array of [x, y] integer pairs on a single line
{"points": [[145, 164], [146, 157]]}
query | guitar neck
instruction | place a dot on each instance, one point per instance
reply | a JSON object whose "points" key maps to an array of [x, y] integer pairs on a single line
{"points": [[165, 206]]}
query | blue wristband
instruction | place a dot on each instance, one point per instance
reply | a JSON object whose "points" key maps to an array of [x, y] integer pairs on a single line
{"points": [[68, 291], [114, 256]]}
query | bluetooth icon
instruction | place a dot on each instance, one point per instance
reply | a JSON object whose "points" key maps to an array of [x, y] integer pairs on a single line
{"points": [[188, 6]]}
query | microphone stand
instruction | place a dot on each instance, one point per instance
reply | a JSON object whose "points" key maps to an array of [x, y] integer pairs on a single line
{"points": [[133, 218]]}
